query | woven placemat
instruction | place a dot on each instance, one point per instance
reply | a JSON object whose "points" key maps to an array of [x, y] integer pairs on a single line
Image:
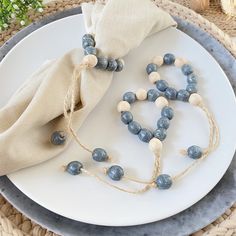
{"points": [[216, 15], [12, 222]]}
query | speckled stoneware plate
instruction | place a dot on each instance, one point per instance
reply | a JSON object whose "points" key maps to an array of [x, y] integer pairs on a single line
{"points": [[127, 217]]}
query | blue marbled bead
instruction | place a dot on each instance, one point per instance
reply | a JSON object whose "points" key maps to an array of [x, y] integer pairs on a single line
{"points": [[99, 154], [129, 97], [192, 79], [102, 63], [194, 152], [191, 88], [134, 127], [115, 172], [151, 68], [163, 181], [163, 122], [86, 36], [160, 133], [152, 95], [183, 95], [88, 42], [58, 138], [120, 65], [74, 168], [167, 112], [126, 117], [187, 69], [145, 135], [170, 93], [112, 64], [90, 50], [162, 85], [169, 59]]}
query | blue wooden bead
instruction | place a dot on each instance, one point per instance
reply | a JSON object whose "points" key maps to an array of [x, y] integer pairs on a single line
{"points": [[183, 95], [90, 50], [162, 85], [99, 154], [187, 69], [169, 59], [170, 93], [192, 79], [145, 135], [112, 64], [167, 112], [191, 88], [74, 168], [152, 95], [126, 117], [160, 134], [151, 68], [163, 122], [88, 42], [120, 65], [134, 127], [129, 97], [163, 181], [115, 172], [194, 152], [102, 63], [58, 138], [86, 36]]}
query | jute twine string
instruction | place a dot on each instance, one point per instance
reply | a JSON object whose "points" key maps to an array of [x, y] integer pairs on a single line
{"points": [[13, 223], [69, 109]]}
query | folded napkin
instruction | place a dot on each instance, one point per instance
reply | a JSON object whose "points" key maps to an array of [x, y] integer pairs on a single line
{"points": [[36, 110]]}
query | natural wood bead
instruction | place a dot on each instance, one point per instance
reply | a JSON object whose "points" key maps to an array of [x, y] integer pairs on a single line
{"points": [[141, 94], [195, 99], [161, 102], [90, 60], [123, 106], [179, 62], [158, 60], [155, 145], [154, 77]]}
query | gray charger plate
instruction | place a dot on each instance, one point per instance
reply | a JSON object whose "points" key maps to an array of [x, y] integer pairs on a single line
{"points": [[222, 197]]}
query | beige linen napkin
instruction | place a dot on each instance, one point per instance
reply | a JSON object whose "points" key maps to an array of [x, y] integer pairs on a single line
{"points": [[36, 110]]}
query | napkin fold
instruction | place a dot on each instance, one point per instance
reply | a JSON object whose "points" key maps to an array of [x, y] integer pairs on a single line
{"points": [[35, 111]]}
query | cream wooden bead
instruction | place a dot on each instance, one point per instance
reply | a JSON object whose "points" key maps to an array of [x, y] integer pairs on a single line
{"points": [[158, 60], [179, 62], [154, 77], [123, 106], [123, 62], [155, 145], [90, 60], [161, 102], [141, 94], [195, 99]]}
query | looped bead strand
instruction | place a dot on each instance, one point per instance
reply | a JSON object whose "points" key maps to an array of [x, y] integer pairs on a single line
{"points": [[102, 63]]}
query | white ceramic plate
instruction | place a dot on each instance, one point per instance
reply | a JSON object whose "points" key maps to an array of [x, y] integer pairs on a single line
{"points": [[83, 198]]}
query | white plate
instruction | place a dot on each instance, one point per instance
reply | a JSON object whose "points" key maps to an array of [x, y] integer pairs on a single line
{"points": [[83, 198]]}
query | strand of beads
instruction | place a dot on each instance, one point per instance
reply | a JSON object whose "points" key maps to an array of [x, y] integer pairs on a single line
{"points": [[163, 86], [103, 63], [134, 127], [186, 95], [154, 138]]}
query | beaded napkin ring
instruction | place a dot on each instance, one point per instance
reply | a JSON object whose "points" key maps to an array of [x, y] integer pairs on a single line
{"points": [[103, 63]]}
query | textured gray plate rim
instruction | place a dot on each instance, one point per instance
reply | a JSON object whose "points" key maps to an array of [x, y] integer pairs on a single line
{"points": [[194, 218]]}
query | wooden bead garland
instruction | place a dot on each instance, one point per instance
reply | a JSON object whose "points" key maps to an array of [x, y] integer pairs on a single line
{"points": [[155, 138]]}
